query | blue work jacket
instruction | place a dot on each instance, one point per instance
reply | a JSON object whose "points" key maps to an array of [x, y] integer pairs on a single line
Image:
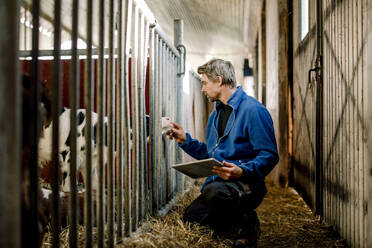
{"points": [[248, 141]]}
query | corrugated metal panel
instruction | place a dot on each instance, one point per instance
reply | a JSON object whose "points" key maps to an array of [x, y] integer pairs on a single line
{"points": [[344, 56]]}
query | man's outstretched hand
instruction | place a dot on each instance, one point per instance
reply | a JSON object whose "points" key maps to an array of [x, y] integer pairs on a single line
{"points": [[229, 171], [177, 133]]}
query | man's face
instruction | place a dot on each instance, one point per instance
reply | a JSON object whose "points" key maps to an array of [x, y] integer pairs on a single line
{"points": [[210, 89]]}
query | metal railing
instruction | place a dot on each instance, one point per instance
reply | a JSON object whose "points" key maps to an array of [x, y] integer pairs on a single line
{"points": [[138, 72]]}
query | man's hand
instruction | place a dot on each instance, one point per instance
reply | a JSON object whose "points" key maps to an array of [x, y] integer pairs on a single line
{"points": [[177, 133], [230, 171]]}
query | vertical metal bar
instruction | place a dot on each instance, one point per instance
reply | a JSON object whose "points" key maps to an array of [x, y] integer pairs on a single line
{"points": [[145, 134], [119, 118], [73, 91], [168, 144], [10, 119], [156, 124], [88, 100], [101, 93], [151, 121], [163, 113], [160, 141], [140, 132], [33, 194], [134, 118], [55, 114], [110, 134], [127, 143], [178, 40], [24, 28], [174, 97], [319, 112]]}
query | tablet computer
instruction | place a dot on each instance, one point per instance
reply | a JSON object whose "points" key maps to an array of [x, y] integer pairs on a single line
{"points": [[198, 168]]}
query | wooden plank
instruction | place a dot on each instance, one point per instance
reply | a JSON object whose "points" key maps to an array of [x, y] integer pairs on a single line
{"points": [[368, 123]]}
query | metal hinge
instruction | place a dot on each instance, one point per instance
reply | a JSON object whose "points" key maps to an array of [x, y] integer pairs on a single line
{"points": [[182, 49], [317, 69]]}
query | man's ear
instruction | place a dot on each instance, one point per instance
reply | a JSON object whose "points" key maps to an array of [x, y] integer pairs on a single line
{"points": [[219, 80]]}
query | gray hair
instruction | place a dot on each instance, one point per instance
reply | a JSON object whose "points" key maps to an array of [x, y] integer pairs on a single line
{"points": [[218, 67]]}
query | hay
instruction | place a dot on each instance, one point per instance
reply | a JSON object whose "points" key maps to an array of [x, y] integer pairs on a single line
{"points": [[286, 221]]}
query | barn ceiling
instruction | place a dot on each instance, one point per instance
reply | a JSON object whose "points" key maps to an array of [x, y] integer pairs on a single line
{"points": [[212, 28]]}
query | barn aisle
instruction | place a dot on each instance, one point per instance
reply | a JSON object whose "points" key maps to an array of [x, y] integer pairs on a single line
{"points": [[286, 221]]}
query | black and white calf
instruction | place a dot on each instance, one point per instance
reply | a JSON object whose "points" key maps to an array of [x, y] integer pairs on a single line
{"points": [[45, 148], [45, 145]]}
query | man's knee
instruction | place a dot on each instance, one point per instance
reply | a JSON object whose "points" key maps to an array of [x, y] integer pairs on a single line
{"points": [[216, 192]]}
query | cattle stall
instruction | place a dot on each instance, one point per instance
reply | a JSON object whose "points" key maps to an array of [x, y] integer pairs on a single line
{"points": [[117, 89]]}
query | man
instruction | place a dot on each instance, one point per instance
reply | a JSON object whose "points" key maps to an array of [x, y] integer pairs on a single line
{"points": [[240, 134]]}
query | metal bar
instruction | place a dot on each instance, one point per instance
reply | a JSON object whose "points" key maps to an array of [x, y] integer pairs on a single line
{"points": [[163, 36], [178, 40], [73, 91], [88, 100], [140, 132], [55, 116], [10, 119], [101, 93], [161, 155], [151, 134], [33, 194], [163, 113], [127, 142], [134, 118], [319, 114], [110, 134], [156, 124], [120, 115], [167, 113], [65, 52], [145, 134], [173, 117]]}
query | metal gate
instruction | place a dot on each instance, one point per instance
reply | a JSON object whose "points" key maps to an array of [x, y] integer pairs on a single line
{"points": [[130, 69]]}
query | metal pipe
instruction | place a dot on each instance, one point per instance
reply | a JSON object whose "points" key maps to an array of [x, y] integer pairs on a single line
{"points": [[156, 124], [101, 95], [178, 40], [140, 132], [163, 36], [120, 122], [88, 100], [145, 134], [33, 194], [134, 118], [65, 52], [10, 119], [73, 91], [160, 141], [151, 121], [110, 134], [167, 113], [163, 113], [55, 115], [127, 142], [173, 115]]}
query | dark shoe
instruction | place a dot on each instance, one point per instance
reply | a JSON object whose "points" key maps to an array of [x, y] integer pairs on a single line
{"points": [[250, 232]]}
